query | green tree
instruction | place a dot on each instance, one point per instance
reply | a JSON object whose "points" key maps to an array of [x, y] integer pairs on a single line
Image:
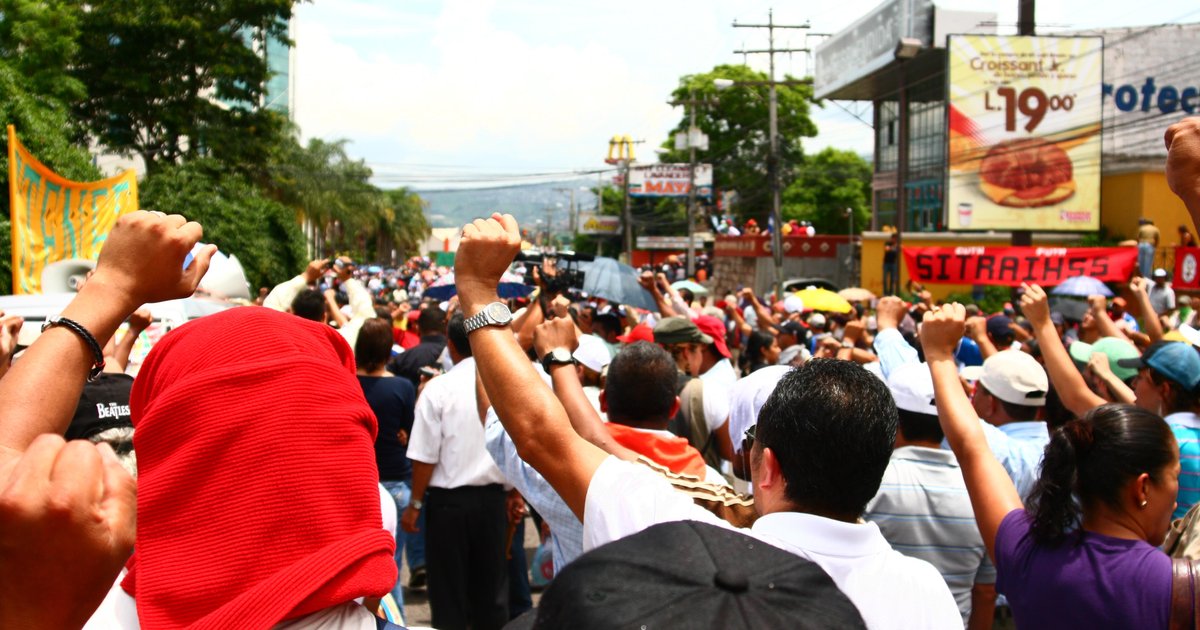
{"points": [[39, 39], [401, 225], [236, 215], [176, 79], [826, 184], [330, 190], [737, 129]]}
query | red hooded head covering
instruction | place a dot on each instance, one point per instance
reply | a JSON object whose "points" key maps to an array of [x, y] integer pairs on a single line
{"points": [[257, 495]]}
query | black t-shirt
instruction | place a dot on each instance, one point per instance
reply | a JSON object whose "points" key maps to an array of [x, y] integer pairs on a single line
{"points": [[103, 405], [392, 399], [889, 253], [424, 354]]}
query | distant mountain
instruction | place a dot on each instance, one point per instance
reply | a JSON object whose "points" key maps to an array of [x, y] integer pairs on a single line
{"points": [[528, 203]]}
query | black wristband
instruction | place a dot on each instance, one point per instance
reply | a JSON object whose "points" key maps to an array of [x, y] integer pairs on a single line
{"points": [[78, 329]]}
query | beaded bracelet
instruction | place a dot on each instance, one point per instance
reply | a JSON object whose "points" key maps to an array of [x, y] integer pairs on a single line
{"points": [[78, 329]]}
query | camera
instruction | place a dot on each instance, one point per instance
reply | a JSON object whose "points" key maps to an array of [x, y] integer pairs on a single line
{"points": [[567, 274]]}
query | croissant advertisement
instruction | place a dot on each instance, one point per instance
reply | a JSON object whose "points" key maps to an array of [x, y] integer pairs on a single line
{"points": [[1024, 139]]}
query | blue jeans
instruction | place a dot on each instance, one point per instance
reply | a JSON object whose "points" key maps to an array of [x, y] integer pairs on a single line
{"points": [[1145, 258], [413, 544]]}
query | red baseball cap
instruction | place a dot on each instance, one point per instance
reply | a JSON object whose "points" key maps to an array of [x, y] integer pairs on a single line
{"points": [[713, 327], [641, 332]]}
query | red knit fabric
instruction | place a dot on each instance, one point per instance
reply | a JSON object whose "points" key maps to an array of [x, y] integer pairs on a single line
{"points": [[257, 495]]}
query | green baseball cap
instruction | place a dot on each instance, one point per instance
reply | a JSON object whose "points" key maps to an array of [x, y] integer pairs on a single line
{"points": [[1116, 349], [679, 330]]}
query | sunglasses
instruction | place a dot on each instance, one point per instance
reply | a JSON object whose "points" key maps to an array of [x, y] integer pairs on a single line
{"points": [[748, 438]]}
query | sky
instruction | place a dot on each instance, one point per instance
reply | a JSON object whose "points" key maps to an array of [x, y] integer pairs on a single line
{"points": [[467, 92]]}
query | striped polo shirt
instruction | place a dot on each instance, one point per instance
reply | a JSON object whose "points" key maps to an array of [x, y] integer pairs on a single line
{"points": [[1186, 426], [924, 511]]}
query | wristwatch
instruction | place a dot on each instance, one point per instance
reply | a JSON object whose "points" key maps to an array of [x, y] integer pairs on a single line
{"points": [[557, 356], [494, 314], [847, 344], [416, 504]]}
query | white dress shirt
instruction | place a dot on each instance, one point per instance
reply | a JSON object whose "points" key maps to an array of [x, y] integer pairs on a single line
{"points": [[448, 433], [889, 589]]}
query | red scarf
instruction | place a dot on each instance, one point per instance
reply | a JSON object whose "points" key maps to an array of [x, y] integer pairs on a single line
{"points": [[257, 495], [673, 452]]}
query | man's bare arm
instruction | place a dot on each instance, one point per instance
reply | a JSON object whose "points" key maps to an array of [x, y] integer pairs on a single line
{"points": [[532, 416]]}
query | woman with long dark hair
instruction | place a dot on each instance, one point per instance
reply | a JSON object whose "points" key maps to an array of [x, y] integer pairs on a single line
{"points": [[1065, 563], [762, 349]]}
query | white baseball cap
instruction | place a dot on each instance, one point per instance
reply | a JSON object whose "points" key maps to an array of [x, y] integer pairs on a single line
{"points": [[912, 388], [747, 398], [592, 353], [1015, 377], [793, 304]]}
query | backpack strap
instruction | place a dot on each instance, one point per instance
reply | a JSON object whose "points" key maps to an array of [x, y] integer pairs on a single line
{"points": [[1183, 598]]}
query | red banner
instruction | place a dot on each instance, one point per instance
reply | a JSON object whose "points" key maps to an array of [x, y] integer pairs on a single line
{"points": [[1011, 266], [1187, 262]]}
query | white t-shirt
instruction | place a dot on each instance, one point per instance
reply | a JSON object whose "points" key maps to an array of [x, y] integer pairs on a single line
{"points": [[447, 431], [889, 589], [718, 381]]}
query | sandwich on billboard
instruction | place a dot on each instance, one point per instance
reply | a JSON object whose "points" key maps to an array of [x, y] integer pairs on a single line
{"points": [[1024, 140]]}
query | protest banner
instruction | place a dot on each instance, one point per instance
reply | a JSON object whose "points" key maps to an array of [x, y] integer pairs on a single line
{"points": [[56, 219], [1187, 263], [1011, 266]]}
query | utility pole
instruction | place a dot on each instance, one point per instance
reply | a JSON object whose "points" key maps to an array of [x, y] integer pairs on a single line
{"points": [[693, 139], [773, 132], [1026, 24], [572, 217]]}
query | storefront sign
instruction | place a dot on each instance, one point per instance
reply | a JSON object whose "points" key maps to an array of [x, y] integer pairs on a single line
{"points": [[669, 180], [1024, 139], [590, 223], [1187, 268], [669, 242], [793, 246], [1011, 266], [870, 43]]}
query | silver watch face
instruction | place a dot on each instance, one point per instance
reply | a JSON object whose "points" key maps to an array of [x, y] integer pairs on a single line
{"points": [[560, 355], [498, 312]]}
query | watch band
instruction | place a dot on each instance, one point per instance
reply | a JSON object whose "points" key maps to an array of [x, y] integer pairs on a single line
{"points": [[564, 358], [494, 314]]}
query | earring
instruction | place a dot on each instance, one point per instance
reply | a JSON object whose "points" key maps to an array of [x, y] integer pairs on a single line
{"points": [[1144, 502]]}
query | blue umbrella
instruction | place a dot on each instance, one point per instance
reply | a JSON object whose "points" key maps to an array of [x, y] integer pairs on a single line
{"points": [[617, 282], [510, 287], [1082, 286]]}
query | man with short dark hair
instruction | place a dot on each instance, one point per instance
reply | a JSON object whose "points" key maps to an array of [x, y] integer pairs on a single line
{"points": [[465, 517], [408, 364], [823, 441]]}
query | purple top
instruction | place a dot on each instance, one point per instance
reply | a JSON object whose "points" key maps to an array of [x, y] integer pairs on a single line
{"points": [[1101, 582]]}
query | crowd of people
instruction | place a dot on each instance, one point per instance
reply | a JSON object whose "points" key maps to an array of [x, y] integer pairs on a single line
{"points": [[908, 464]]}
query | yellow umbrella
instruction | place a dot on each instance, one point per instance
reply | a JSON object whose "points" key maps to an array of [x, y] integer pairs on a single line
{"points": [[823, 300], [857, 294]]}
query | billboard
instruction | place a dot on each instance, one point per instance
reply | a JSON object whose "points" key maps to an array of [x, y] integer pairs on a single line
{"points": [[869, 44], [669, 180], [1024, 139], [56, 219]]}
